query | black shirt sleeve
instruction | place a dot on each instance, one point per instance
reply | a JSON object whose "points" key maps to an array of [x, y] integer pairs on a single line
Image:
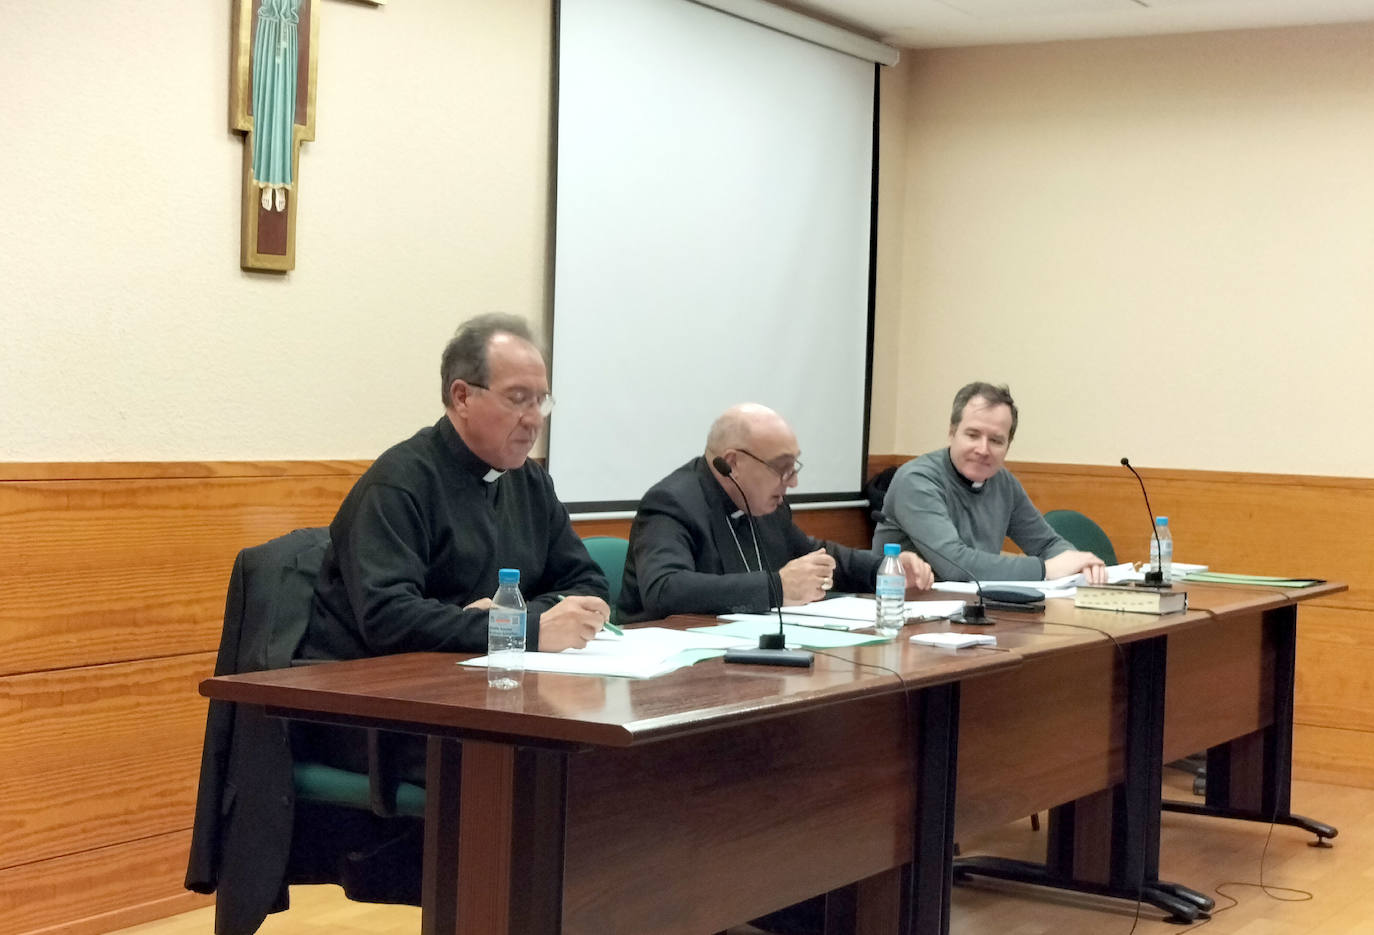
{"points": [[568, 569], [383, 562]]}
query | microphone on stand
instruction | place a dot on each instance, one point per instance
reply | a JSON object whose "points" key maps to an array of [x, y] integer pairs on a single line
{"points": [[772, 649], [1154, 578], [1005, 598]]}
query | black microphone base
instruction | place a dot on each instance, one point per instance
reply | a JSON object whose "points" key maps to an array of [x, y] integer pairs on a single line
{"points": [[975, 614], [1153, 579], [771, 657], [1016, 608], [772, 641]]}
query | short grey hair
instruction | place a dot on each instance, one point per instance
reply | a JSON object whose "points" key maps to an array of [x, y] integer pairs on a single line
{"points": [[989, 393], [465, 355]]}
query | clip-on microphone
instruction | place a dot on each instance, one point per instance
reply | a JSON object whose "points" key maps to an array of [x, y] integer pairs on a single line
{"points": [[1154, 578], [772, 649]]}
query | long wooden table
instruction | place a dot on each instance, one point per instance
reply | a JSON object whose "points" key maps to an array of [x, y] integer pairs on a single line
{"points": [[695, 801], [682, 804]]}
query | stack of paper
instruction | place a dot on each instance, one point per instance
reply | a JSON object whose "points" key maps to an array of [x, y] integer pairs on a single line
{"points": [[850, 613], [1050, 587]]}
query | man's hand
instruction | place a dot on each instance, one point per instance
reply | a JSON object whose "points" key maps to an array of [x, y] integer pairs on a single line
{"points": [[571, 623], [807, 577], [1071, 563], [918, 573], [482, 603]]}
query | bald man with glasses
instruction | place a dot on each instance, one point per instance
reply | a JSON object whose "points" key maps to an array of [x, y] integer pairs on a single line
{"points": [[693, 550]]}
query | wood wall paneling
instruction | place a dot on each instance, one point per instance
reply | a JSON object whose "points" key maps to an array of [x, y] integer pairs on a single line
{"points": [[1333, 754], [112, 582], [100, 755], [1335, 672], [98, 890], [104, 569]]}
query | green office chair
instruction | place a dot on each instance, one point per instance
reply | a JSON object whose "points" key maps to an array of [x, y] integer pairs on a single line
{"points": [[1083, 533], [609, 552]]}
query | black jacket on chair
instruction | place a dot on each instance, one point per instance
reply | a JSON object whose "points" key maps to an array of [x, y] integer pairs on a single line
{"points": [[245, 805]]}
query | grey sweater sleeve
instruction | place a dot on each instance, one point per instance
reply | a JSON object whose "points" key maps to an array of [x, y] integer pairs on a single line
{"points": [[1028, 528]]}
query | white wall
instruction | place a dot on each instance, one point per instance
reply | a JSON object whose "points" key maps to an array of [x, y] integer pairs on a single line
{"points": [[129, 331], [1180, 226], [1039, 204]]}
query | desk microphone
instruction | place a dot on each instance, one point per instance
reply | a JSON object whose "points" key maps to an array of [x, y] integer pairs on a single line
{"points": [[1154, 578], [1023, 599], [772, 649]]}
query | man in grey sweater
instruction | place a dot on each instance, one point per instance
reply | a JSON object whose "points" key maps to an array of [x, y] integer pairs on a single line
{"points": [[955, 506]]}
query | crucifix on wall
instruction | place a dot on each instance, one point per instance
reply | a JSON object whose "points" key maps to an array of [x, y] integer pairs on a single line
{"points": [[272, 100]]}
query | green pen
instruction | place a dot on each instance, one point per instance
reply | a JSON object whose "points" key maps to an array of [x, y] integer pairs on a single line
{"points": [[608, 625]]}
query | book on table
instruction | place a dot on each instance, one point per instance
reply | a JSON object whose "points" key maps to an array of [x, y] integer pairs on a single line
{"points": [[1130, 599]]}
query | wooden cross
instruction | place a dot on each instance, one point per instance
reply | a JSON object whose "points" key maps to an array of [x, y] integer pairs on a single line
{"points": [[272, 100]]}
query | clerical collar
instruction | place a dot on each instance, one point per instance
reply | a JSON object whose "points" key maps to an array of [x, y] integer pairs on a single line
{"points": [[474, 465], [975, 486], [715, 491]]}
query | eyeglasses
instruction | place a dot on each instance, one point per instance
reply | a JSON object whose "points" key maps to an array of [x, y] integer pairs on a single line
{"points": [[784, 476], [521, 399]]}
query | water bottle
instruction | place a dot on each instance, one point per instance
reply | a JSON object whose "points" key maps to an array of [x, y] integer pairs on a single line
{"points": [[891, 592], [506, 632], [1162, 551]]}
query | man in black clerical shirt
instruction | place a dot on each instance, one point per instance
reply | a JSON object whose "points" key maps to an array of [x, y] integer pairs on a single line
{"points": [[693, 551], [415, 548]]}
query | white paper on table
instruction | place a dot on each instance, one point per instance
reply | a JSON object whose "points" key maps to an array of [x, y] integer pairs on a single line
{"points": [[853, 613], [653, 642], [751, 626], [800, 620], [642, 652], [934, 610], [848, 607], [949, 640]]}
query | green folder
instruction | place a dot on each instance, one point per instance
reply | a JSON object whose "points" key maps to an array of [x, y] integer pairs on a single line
{"points": [[1267, 581]]}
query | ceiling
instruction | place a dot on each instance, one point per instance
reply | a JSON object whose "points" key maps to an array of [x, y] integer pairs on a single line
{"points": [[917, 24]]}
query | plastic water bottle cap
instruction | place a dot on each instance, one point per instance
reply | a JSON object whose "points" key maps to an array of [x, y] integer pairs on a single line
{"points": [[892, 548], [1161, 520], [508, 576]]}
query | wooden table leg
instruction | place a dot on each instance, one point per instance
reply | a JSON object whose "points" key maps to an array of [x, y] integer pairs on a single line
{"points": [[495, 824], [439, 883], [931, 871]]}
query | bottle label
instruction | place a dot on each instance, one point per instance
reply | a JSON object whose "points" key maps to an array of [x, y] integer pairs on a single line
{"points": [[507, 624], [891, 586]]}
